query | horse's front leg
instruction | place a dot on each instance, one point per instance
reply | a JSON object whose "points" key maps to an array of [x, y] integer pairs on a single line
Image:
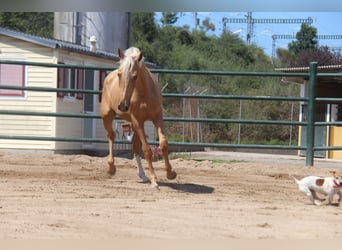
{"points": [[163, 144], [139, 130], [111, 165], [107, 122]]}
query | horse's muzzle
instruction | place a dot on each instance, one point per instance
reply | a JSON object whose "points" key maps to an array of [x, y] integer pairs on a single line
{"points": [[123, 107]]}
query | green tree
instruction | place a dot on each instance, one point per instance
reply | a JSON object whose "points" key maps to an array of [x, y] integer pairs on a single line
{"points": [[143, 27], [175, 47], [35, 23], [306, 39], [207, 25], [305, 49], [285, 58], [169, 18]]}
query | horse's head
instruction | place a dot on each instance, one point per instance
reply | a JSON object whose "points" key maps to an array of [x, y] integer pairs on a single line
{"points": [[130, 63]]}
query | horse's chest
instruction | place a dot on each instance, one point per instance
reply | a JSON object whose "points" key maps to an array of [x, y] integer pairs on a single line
{"points": [[145, 109], [143, 106], [147, 105]]}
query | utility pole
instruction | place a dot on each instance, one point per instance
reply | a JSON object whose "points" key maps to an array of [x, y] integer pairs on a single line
{"points": [[251, 21], [250, 24], [196, 20], [292, 37]]}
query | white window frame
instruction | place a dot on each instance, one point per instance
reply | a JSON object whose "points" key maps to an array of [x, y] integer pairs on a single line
{"points": [[68, 85]]}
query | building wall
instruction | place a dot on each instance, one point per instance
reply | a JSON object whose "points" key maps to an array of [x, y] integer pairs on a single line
{"points": [[332, 135], [335, 140], [14, 49], [111, 29], [74, 127]]}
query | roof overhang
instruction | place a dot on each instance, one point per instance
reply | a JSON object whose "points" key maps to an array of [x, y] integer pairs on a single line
{"points": [[320, 69], [59, 44]]}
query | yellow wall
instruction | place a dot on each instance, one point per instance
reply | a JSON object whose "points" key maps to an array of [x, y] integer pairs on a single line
{"points": [[73, 127], [14, 49], [335, 140], [299, 138]]}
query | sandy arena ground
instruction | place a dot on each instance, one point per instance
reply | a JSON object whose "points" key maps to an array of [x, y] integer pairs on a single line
{"points": [[72, 197]]}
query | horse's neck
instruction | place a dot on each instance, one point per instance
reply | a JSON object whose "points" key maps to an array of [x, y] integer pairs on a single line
{"points": [[146, 77]]}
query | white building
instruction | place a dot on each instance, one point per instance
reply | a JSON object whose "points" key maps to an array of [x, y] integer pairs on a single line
{"points": [[23, 47]]}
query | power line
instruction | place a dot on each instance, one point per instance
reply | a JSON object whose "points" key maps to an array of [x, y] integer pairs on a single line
{"points": [[274, 37], [251, 21]]}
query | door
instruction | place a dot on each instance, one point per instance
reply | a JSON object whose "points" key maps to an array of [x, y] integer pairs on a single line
{"points": [[89, 123], [320, 131]]}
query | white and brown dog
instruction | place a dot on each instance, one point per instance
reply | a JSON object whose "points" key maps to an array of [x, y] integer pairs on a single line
{"points": [[328, 186]]}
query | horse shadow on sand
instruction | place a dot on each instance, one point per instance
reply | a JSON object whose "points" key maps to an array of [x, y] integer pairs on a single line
{"points": [[188, 187]]}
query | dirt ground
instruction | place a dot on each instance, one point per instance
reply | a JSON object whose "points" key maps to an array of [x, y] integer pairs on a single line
{"points": [[45, 196]]}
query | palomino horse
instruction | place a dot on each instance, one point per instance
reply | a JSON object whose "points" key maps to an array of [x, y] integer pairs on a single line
{"points": [[132, 92]]}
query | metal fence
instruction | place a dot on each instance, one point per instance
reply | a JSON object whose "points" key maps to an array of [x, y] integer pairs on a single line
{"points": [[311, 101]]}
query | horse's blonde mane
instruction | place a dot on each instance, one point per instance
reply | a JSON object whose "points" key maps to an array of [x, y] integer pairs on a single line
{"points": [[126, 64]]}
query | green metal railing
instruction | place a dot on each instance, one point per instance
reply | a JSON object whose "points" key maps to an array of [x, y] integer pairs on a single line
{"points": [[310, 124]]}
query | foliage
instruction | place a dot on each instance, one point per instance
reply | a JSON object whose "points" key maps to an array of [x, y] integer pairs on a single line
{"points": [[175, 47], [207, 25], [169, 18], [322, 55], [306, 49], [35, 23], [306, 39], [144, 28], [179, 48]]}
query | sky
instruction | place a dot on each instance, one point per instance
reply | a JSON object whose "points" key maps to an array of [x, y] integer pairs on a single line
{"points": [[327, 23]]}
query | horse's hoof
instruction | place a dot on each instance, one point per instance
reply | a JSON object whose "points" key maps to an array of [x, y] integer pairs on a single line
{"points": [[155, 186], [111, 171], [318, 203], [144, 179], [171, 175]]}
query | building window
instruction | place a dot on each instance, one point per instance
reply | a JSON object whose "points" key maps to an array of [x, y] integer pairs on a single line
{"points": [[12, 75], [336, 112], [72, 79], [103, 74]]}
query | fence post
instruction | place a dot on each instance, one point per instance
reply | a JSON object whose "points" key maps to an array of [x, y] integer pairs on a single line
{"points": [[310, 132]]}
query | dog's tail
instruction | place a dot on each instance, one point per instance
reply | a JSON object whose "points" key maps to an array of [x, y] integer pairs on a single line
{"points": [[294, 178]]}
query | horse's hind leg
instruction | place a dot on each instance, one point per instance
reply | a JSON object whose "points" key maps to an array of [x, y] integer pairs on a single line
{"points": [[163, 144], [107, 122], [136, 145]]}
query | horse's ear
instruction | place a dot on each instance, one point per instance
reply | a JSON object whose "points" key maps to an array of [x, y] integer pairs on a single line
{"points": [[121, 54], [141, 55]]}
